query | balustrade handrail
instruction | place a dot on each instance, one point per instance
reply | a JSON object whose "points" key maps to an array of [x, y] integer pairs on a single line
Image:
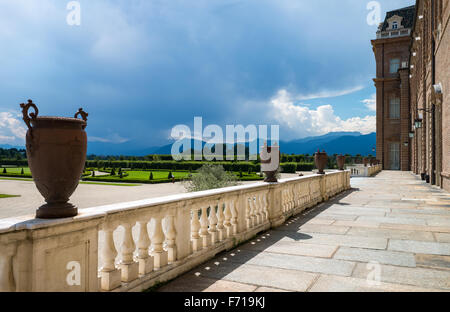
{"points": [[160, 237]]}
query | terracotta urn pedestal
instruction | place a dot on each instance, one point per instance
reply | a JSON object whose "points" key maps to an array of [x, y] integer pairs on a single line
{"points": [[321, 159], [340, 159], [56, 152]]}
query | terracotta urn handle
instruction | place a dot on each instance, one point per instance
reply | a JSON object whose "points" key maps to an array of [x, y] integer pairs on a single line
{"points": [[28, 117], [83, 114]]}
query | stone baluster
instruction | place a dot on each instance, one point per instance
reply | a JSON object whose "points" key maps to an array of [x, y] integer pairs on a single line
{"points": [[195, 228], [171, 236], [204, 234], [110, 275], [248, 213], [286, 200], [159, 254], [213, 220], [262, 214], [295, 196], [227, 223], [130, 268], [144, 259], [253, 210], [220, 221], [7, 282], [258, 209], [234, 216], [266, 206]]}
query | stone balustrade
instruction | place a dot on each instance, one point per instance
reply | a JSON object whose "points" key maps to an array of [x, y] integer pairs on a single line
{"points": [[364, 171], [133, 246]]}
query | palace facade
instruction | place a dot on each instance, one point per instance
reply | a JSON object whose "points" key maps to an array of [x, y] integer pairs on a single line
{"points": [[412, 53]]}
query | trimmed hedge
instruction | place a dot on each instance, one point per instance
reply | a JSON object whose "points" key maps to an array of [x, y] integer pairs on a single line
{"points": [[172, 165], [305, 166], [288, 167]]}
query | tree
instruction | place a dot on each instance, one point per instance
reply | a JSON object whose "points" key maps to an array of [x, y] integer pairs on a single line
{"points": [[210, 176], [151, 176], [170, 176], [113, 172], [4, 170], [22, 172], [93, 173]]}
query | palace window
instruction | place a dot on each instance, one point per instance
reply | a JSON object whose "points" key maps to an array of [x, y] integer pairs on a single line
{"points": [[394, 108], [395, 25], [394, 65]]}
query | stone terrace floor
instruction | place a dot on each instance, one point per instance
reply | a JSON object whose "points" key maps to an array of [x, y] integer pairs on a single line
{"points": [[393, 226]]}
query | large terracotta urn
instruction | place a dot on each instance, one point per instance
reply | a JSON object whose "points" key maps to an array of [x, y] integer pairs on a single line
{"points": [[365, 161], [270, 162], [321, 159], [56, 152], [340, 159]]}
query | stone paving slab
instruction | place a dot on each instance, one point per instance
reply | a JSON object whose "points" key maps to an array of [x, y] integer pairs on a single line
{"points": [[442, 237], [316, 228], [292, 280], [294, 262], [410, 227], [293, 248], [338, 240], [364, 224], [395, 220], [420, 216], [430, 248], [437, 222], [269, 289], [421, 277], [433, 261], [192, 283], [334, 216], [426, 211], [381, 256], [359, 211], [332, 283], [391, 233]]}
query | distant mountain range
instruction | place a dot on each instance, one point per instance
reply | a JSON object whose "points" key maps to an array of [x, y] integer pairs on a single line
{"points": [[333, 143]]}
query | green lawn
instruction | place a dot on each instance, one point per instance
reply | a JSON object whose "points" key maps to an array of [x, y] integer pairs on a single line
{"points": [[112, 184], [130, 176], [16, 171], [159, 176], [7, 196]]}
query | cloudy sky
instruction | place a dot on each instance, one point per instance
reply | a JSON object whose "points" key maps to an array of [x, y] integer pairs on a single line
{"points": [[140, 67]]}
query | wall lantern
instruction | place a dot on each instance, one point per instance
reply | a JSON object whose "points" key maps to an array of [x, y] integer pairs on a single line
{"points": [[418, 123], [406, 144], [438, 88], [411, 134]]}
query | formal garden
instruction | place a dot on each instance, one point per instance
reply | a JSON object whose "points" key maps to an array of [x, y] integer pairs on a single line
{"points": [[152, 169]]}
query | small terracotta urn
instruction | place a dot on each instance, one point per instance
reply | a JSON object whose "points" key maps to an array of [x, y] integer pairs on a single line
{"points": [[56, 152], [340, 159], [365, 161], [270, 162], [321, 159]]}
